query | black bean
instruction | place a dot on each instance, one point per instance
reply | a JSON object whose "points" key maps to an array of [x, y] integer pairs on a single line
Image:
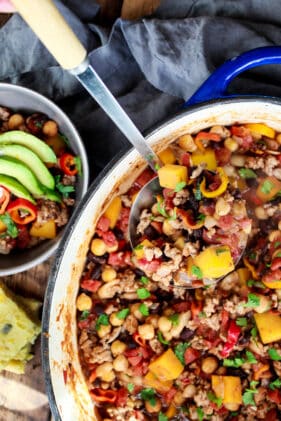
{"points": [[118, 233], [151, 233], [236, 193], [96, 271], [231, 371], [252, 182], [187, 334], [197, 234], [139, 272], [98, 308], [96, 259], [275, 201], [245, 339]]}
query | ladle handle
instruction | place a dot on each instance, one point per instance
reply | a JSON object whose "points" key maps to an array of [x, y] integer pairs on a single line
{"points": [[51, 28]]}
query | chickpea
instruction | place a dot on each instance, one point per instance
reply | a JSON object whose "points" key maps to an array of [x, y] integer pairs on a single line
{"points": [[164, 324], [154, 210], [153, 409], [260, 212], [178, 398], [50, 128], [231, 144], [187, 143], [108, 274], [221, 371], [189, 391], [179, 243], [273, 236], [98, 247], [232, 406], [153, 320], [237, 160], [146, 331], [222, 207], [264, 303], [168, 312], [209, 365], [120, 363], [278, 138], [210, 222], [15, 121], [118, 347], [220, 130], [103, 331], [109, 377], [104, 369], [111, 249], [135, 311], [84, 302], [114, 320], [278, 293], [167, 228]]}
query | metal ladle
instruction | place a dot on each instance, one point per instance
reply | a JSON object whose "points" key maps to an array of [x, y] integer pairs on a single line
{"points": [[51, 28]]}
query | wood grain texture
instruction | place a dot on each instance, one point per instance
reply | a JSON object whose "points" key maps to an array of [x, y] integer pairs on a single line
{"points": [[138, 8]]}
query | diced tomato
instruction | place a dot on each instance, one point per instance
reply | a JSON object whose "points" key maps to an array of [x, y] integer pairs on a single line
{"points": [[196, 308], [191, 355], [109, 238], [140, 369], [251, 196], [138, 415], [274, 396], [208, 136], [244, 134], [119, 259], [185, 159], [224, 319], [134, 361], [168, 396], [122, 396], [157, 226], [91, 285], [93, 376], [85, 324], [23, 237], [276, 264], [168, 199], [181, 307], [123, 221], [122, 244], [208, 209], [226, 222], [144, 178], [222, 156], [147, 266], [271, 276], [271, 415], [103, 223]]}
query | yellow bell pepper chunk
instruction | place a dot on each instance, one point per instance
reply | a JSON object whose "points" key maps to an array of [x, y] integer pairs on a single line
{"points": [[214, 261], [262, 129], [207, 157], [170, 175], [268, 188], [139, 249], [269, 326], [272, 284], [150, 380], [113, 211], [3, 227], [46, 230], [167, 366], [220, 190], [167, 156], [244, 275], [228, 388], [171, 411]]}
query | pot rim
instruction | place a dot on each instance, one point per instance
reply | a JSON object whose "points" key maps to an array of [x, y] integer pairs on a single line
{"points": [[94, 187], [46, 102]]}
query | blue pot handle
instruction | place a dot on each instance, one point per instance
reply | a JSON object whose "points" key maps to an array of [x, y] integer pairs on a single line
{"points": [[216, 85]]}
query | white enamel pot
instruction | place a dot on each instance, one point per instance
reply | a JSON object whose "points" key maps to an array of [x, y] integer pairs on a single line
{"points": [[65, 384]]}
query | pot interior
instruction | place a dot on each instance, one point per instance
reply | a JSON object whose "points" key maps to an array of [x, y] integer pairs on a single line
{"points": [[68, 394]]}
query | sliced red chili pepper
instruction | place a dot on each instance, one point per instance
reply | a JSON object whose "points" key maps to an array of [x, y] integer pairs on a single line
{"points": [[276, 263], [188, 219], [122, 396], [4, 199], [67, 164], [224, 319], [168, 396], [22, 211], [139, 340], [233, 334], [274, 396], [93, 376], [191, 355], [208, 136], [91, 285], [103, 395]]}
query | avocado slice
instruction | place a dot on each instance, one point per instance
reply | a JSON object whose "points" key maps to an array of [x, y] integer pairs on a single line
{"points": [[45, 153], [15, 187], [52, 195], [32, 161], [17, 169]]}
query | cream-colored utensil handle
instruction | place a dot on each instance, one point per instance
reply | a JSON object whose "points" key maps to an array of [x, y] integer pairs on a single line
{"points": [[51, 28]]}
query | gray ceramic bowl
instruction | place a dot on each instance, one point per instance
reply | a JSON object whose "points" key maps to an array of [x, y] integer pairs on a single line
{"points": [[25, 100]]}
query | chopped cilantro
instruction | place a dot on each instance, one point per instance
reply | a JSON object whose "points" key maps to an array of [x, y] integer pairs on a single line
{"points": [[250, 357], [173, 217], [278, 254], [122, 314], [180, 186], [252, 255], [78, 164], [213, 398], [254, 332], [197, 192], [241, 321], [143, 309], [63, 189], [202, 315], [253, 300], [235, 362], [161, 339], [248, 395], [161, 209], [144, 280], [162, 417], [247, 173], [138, 247], [267, 186], [84, 315], [274, 355], [200, 414], [143, 293], [276, 384], [12, 230], [174, 318], [180, 350], [201, 217], [102, 320], [130, 387], [221, 250], [149, 395], [277, 244], [196, 271], [257, 284]]}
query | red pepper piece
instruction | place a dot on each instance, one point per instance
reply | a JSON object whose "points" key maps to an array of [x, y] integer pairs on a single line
{"points": [[103, 224], [233, 334], [191, 355], [122, 396], [67, 164], [91, 285], [102, 395], [22, 211], [208, 136], [196, 308], [274, 396], [276, 263], [4, 199], [188, 219], [139, 340]]}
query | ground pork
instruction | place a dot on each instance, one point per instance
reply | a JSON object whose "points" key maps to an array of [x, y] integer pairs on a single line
{"points": [[48, 210], [151, 253], [210, 306], [181, 197], [6, 245], [131, 324], [122, 414], [101, 354], [126, 201], [145, 220]]}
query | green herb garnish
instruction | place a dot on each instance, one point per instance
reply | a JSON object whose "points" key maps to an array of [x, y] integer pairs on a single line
{"points": [[180, 186], [130, 387], [143, 309], [235, 362], [274, 355], [161, 339], [220, 251], [267, 186], [201, 217], [161, 209], [241, 321], [200, 414], [144, 280], [63, 189], [276, 384], [253, 300], [247, 173], [197, 192], [248, 395], [12, 230], [149, 395], [102, 320], [213, 398], [196, 271], [138, 247], [162, 417], [254, 332], [180, 350], [122, 314], [78, 164], [174, 318], [257, 284], [84, 315], [143, 293], [250, 357]]}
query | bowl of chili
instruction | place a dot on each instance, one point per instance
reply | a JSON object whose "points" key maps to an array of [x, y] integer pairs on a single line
{"points": [[120, 342], [43, 175]]}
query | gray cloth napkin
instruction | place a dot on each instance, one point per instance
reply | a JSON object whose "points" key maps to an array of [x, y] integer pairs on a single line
{"points": [[151, 65]]}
